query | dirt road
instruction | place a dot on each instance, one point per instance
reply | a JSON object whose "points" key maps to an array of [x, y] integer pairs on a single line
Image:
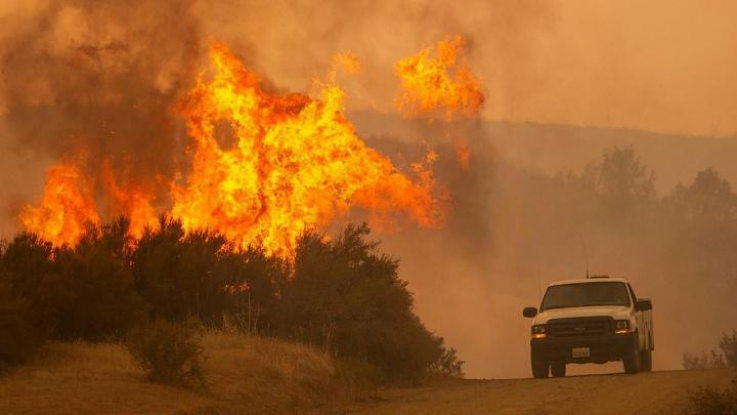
{"points": [[645, 393]]}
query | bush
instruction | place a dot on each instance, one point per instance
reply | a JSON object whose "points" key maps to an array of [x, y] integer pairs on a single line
{"points": [[710, 401], [703, 361], [448, 365], [347, 298], [19, 337], [200, 274], [90, 293], [728, 344], [169, 352], [22, 264], [727, 357], [342, 295]]}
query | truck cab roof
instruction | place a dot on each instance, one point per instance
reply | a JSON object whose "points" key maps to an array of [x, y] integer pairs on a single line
{"points": [[589, 281]]}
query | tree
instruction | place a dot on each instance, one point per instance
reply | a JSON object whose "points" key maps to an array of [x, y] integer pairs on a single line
{"points": [[90, 293], [621, 179], [709, 198], [348, 298], [25, 262], [19, 333], [200, 274]]}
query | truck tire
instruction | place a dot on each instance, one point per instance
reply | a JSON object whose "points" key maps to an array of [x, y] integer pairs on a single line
{"points": [[558, 370], [646, 361], [540, 367], [632, 360]]}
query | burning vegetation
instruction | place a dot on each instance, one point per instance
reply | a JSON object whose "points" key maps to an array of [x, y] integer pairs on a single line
{"points": [[288, 163], [178, 193], [242, 222]]}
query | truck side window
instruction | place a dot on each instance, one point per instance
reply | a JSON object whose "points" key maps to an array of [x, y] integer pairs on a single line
{"points": [[634, 297]]}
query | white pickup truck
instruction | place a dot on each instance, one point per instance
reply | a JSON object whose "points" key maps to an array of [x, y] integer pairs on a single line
{"points": [[593, 320]]}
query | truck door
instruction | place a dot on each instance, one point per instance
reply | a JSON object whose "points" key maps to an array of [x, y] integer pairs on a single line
{"points": [[642, 322]]}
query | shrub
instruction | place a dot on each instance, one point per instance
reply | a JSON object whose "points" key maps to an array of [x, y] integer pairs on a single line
{"points": [[22, 264], [25, 262], [201, 274], [728, 344], [710, 401], [90, 293], [448, 365], [19, 337], [169, 352], [703, 361], [727, 357], [347, 298]]}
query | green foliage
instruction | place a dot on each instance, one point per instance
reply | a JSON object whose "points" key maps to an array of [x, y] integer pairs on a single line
{"points": [[448, 365], [169, 352], [19, 335], [342, 295], [25, 261], [347, 298], [90, 294], [710, 401], [197, 274], [23, 264]]}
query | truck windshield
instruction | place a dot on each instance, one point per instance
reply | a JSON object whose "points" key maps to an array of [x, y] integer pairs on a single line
{"points": [[585, 294]]}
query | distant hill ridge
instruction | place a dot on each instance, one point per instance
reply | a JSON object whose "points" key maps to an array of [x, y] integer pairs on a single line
{"points": [[550, 148]]}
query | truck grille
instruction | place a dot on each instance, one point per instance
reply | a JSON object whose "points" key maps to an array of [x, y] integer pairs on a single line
{"points": [[580, 327]]}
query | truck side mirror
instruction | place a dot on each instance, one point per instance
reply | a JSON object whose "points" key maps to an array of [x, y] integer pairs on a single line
{"points": [[529, 312], [644, 304]]}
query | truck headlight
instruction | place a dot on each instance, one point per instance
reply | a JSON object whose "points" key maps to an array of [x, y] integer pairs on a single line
{"points": [[538, 331], [622, 327]]}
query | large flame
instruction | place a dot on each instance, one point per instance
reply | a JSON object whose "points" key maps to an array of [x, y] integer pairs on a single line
{"points": [[265, 168], [67, 206], [295, 164]]}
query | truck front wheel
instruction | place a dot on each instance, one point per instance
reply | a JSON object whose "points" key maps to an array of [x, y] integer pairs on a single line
{"points": [[540, 367], [632, 360]]}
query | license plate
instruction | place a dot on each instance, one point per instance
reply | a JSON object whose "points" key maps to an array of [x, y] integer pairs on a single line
{"points": [[581, 352]]}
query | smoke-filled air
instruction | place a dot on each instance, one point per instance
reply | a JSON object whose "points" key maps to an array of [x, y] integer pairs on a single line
{"points": [[489, 147]]}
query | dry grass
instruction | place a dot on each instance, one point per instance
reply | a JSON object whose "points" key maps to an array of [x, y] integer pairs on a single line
{"points": [[244, 374]]}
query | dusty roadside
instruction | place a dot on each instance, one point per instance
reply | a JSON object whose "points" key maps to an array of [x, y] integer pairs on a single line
{"points": [[645, 393]]}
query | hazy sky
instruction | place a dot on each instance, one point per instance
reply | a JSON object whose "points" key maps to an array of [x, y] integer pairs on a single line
{"points": [[660, 65]]}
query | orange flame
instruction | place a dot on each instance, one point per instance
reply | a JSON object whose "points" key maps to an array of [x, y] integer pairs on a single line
{"points": [[130, 200], [66, 207], [429, 83], [289, 163], [295, 164]]}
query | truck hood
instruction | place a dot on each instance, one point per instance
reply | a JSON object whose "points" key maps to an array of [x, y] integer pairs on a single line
{"points": [[616, 312]]}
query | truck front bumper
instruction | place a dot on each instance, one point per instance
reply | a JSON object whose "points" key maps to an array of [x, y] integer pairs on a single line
{"points": [[602, 349]]}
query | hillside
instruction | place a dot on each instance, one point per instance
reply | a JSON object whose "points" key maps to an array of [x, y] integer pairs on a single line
{"points": [[550, 148], [244, 374]]}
